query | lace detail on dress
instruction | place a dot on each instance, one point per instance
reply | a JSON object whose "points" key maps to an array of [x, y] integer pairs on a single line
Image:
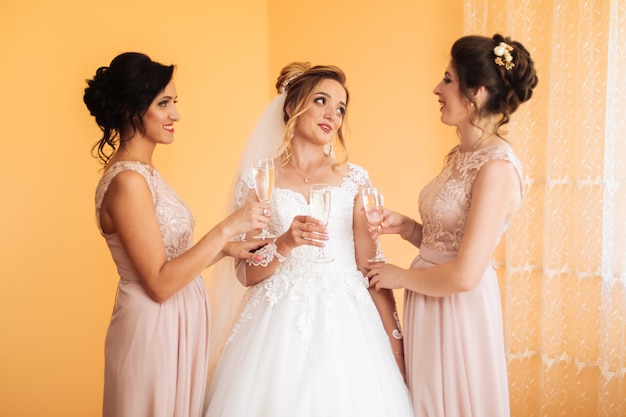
{"points": [[309, 287], [174, 217], [357, 177], [444, 203]]}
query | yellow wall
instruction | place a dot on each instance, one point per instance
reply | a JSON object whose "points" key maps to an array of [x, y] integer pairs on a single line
{"points": [[57, 281]]}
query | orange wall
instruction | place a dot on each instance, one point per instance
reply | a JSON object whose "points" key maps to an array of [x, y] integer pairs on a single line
{"points": [[57, 282]]}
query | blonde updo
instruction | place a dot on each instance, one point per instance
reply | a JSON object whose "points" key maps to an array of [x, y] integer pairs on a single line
{"points": [[298, 80]]}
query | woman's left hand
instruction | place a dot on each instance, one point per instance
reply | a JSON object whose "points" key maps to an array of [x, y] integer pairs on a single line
{"points": [[244, 250], [383, 275]]}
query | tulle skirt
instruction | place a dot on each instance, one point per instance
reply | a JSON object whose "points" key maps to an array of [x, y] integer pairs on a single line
{"points": [[303, 351]]}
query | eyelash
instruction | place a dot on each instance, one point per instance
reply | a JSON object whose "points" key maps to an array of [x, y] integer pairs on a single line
{"points": [[340, 110]]}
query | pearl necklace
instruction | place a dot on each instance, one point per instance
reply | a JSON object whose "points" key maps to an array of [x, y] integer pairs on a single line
{"points": [[306, 177]]}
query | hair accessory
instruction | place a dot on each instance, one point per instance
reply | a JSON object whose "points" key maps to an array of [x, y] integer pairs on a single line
{"points": [[267, 253], [503, 55], [285, 85]]}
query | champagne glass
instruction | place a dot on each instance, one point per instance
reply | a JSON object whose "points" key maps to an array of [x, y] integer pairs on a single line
{"points": [[263, 173], [319, 200], [373, 203]]}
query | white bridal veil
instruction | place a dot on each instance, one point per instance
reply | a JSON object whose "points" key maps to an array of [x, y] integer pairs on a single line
{"points": [[225, 291]]}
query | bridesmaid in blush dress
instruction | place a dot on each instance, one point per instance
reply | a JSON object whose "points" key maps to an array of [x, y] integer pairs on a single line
{"points": [[454, 343], [156, 349]]}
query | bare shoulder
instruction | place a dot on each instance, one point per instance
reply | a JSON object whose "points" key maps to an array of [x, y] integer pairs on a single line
{"points": [[128, 180]]}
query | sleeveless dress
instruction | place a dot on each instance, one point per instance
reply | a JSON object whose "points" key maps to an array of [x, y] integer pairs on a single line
{"points": [[156, 354], [454, 345], [309, 341]]}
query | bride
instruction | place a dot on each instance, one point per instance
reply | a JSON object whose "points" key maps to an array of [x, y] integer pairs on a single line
{"points": [[306, 338]]}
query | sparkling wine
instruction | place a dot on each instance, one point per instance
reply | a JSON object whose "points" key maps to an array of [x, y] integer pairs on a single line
{"points": [[264, 182], [319, 201], [373, 204], [374, 215], [320, 204], [263, 174]]}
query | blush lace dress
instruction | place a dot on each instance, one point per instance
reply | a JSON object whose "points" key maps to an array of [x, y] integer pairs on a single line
{"points": [[309, 341], [454, 345], [156, 354]]}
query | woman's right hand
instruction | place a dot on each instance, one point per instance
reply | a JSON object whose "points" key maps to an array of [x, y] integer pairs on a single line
{"points": [[254, 215], [305, 230], [395, 223]]}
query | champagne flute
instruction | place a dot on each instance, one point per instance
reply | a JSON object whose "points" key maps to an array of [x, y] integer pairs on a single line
{"points": [[373, 204], [263, 173], [319, 200]]}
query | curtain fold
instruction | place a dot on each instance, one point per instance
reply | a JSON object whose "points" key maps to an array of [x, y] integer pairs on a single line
{"points": [[562, 264]]}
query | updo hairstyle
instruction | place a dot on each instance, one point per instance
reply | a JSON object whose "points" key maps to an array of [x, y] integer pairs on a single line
{"points": [[298, 80], [119, 95], [473, 58]]}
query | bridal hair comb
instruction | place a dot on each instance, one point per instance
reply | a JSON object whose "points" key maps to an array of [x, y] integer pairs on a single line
{"points": [[285, 85]]}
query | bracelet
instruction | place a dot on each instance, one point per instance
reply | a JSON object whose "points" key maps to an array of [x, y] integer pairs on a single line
{"points": [[398, 353], [267, 253], [396, 333]]}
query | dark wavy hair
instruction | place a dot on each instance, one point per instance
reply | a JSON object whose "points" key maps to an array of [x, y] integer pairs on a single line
{"points": [[119, 95], [473, 59]]}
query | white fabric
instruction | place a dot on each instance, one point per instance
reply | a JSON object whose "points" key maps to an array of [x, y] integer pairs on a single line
{"points": [[309, 340], [225, 291]]}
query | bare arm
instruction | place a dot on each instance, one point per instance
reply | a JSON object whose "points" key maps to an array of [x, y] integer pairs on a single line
{"points": [[128, 210], [495, 194], [384, 299]]}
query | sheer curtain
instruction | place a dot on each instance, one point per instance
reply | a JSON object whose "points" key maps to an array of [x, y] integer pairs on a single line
{"points": [[562, 264]]}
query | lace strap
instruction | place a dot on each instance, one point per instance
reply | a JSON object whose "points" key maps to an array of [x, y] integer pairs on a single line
{"points": [[244, 184], [105, 181], [502, 153], [356, 178]]}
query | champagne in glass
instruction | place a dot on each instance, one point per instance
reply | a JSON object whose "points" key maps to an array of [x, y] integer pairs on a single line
{"points": [[373, 205], [263, 173], [319, 201]]}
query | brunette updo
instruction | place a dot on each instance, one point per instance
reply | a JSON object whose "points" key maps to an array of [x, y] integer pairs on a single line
{"points": [[298, 81], [119, 95], [473, 58]]}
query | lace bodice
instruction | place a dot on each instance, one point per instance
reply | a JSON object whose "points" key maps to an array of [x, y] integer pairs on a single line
{"points": [[174, 217], [312, 285], [444, 203]]}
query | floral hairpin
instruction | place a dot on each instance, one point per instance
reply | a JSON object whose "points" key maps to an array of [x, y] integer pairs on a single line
{"points": [[503, 55], [285, 85]]}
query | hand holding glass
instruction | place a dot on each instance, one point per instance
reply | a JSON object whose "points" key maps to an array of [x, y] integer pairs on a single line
{"points": [[319, 201], [263, 172], [373, 203]]}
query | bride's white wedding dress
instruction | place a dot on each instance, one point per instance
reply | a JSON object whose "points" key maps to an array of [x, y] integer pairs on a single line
{"points": [[310, 341]]}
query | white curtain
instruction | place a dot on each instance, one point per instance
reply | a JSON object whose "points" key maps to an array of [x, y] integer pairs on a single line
{"points": [[563, 261]]}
